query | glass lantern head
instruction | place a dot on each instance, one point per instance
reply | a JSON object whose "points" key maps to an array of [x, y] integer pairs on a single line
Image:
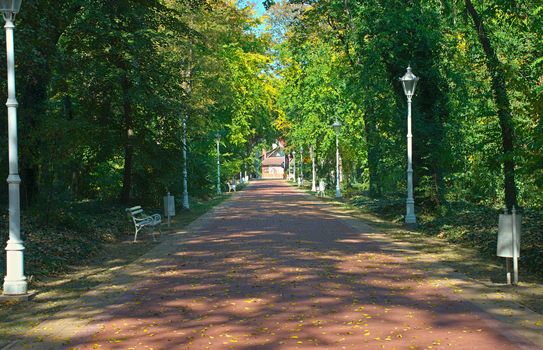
{"points": [[409, 82], [336, 126], [10, 7]]}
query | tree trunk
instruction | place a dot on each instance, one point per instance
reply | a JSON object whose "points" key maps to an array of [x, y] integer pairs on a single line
{"points": [[503, 105], [373, 157], [129, 147]]}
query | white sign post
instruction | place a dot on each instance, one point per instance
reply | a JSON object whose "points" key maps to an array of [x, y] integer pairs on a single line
{"points": [[509, 233], [169, 207], [514, 245]]}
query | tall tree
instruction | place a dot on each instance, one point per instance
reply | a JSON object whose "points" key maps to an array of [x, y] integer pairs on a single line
{"points": [[503, 105]]}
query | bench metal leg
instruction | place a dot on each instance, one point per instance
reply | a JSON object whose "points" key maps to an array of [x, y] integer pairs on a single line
{"points": [[159, 231], [136, 234], [153, 233], [153, 229]]}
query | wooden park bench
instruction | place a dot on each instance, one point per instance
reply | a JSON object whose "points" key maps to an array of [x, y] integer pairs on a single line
{"points": [[142, 220], [231, 186]]}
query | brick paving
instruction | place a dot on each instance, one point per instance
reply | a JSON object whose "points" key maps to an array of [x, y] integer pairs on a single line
{"points": [[276, 269]]}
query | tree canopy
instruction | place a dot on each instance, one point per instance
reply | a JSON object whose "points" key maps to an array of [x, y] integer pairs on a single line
{"points": [[477, 110], [104, 87]]}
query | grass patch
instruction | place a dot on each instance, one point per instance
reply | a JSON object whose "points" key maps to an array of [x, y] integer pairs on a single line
{"points": [[464, 223]]}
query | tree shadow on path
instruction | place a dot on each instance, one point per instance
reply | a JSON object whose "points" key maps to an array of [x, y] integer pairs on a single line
{"points": [[274, 269]]}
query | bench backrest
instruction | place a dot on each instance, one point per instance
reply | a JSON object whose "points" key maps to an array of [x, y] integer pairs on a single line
{"points": [[134, 211]]}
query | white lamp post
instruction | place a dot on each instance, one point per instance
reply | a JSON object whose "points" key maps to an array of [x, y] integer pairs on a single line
{"points": [[314, 179], [185, 172], [409, 82], [218, 140], [301, 178], [15, 281], [294, 165], [337, 128]]}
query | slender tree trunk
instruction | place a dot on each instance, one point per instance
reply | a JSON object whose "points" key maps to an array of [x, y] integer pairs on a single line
{"points": [[435, 139], [67, 104], [503, 105], [129, 147], [373, 158]]}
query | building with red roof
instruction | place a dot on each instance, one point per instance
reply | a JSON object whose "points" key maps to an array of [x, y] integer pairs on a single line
{"points": [[274, 162]]}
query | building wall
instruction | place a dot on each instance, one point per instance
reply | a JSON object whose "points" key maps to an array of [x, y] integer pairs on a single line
{"points": [[272, 172]]}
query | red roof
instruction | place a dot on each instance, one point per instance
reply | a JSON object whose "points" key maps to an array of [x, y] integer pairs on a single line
{"points": [[273, 161]]}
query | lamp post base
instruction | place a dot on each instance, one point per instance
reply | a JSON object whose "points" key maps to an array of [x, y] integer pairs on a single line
{"points": [[338, 193], [15, 288], [410, 217], [411, 220], [15, 282], [7, 298]]}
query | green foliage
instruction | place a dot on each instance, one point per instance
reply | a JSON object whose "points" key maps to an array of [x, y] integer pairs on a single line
{"points": [[104, 86], [342, 59]]}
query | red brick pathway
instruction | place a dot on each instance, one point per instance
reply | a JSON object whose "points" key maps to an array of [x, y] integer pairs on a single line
{"points": [[277, 270]]}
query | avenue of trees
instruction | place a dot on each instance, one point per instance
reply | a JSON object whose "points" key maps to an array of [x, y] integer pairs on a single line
{"points": [[104, 86], [478, 131]]}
